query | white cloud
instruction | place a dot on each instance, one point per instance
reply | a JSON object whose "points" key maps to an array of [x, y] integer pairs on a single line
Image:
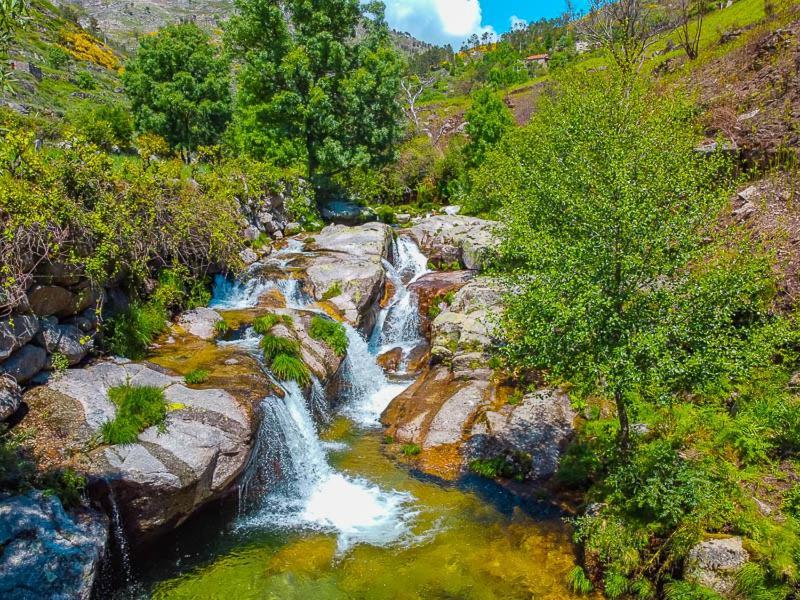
{"points": [[516, 22], [437, 21]]}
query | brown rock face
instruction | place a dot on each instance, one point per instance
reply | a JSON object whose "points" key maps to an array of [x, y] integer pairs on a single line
{"points": [[432, 288], [47, 300], [390, 361]]}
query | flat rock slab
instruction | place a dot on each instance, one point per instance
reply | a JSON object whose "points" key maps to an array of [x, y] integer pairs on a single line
{"points": [[448, 239]]}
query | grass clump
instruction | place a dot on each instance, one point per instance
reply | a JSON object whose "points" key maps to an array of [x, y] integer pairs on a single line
{"points": [[221, 328], [410, 450], [130, 333], [334, 290], [263, 325], [578, 581], [138, 407], [196, 377], [290, 368], [492, 468], [330, 332], [274, 345]]}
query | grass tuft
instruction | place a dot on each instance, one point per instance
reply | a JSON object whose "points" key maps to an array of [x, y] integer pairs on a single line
{"points": [[138, 407], [196, 377], [330, 332], [290, 368]]}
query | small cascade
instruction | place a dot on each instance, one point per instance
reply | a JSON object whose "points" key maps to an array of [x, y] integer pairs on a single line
{"points": [[119, 537], [398, 324], [234, 294], [319, 403]]}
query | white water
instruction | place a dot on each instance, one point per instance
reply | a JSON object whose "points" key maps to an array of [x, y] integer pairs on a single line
{"points": [[398, 325], [289, 483], [235, 294]]}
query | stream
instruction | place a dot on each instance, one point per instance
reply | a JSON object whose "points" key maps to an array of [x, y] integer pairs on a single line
{"points": [[324, 513]]}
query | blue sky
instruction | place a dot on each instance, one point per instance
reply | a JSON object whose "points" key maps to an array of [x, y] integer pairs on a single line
{"points": [[452, 21]]}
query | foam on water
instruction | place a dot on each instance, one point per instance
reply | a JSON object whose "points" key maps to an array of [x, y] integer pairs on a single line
{"points": [[235, 294]]}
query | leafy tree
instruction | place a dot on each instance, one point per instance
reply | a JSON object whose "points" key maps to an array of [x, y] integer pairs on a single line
{"points": [[179, 86], [312, 91], [623, 284], [487, 120]]}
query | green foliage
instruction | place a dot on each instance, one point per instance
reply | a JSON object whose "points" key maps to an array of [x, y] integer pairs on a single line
{"points": [[311, 92], [196, 377], [791, 502], [492, 468], [69, 486], [410, 450], [130, 333], [578, 581], [263, 324], [290, 368], [622, 285], [17, 470], [59, 362], [334, 290], [274, 346], [488, 119], [138, 407], [179, 86], [221, 328], [105, 125], [57, 57], [330, 332], [684, 590], [85, 81]]}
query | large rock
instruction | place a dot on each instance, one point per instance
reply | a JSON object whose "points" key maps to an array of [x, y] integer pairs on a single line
{"points": [[47, 300], [46, 553], [714, 564], [538, 429], [10, 396], [432, 288], [200, 322], [68, 340], [172, 470], [452, 239], [25, 363], [346, 269], [15, 332]]}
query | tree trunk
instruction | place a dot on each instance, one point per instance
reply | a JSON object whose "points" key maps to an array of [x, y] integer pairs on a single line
{"points": [[624, 438]]}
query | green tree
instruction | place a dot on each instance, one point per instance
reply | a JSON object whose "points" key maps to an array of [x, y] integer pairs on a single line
{"points": [[488, 119], [179, 86], [623, 283], [312, 91]]}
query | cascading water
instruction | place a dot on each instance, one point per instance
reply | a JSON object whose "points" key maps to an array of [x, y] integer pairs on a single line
{"points": [[398, 324], [119, 536]]}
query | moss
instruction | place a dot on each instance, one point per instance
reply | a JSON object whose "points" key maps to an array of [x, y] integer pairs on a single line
{"points": [[196, 377], [330, 332], [138, 407], [334, 290]]}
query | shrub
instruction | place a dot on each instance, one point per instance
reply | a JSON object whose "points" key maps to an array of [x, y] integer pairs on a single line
{"points": [[290, 368], [196, 377], [85, 81], [106, 125], [330, 332], [57, 57], [138, 407], [130, 333]]}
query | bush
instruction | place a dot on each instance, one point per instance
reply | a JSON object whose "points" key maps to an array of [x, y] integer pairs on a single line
{"points": [[138, 407], [85, 81], [106, 125], [57, 57], [130, 333], [196, 377], [330, 332]]}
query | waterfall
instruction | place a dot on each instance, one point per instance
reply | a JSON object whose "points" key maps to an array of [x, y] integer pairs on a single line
{"points": [[398, 324], [119, 536], [302, 491], [233, 294]]}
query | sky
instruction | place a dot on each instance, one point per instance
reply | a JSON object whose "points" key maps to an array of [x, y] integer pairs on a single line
{"points": [[453, 21]]}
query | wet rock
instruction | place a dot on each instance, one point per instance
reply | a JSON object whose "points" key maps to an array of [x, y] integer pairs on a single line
{"points": [[431, 288], [25, 363], [15, 332], [64, 339], [171, 471], [46, 552], [714, 564], [200, 322], [390, 361], [248, 256], [46, 300], [539, 427], [10, 396], [449, 239]]}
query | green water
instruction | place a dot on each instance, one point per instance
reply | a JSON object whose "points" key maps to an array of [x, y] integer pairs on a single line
{"points": [[475, 542]]}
